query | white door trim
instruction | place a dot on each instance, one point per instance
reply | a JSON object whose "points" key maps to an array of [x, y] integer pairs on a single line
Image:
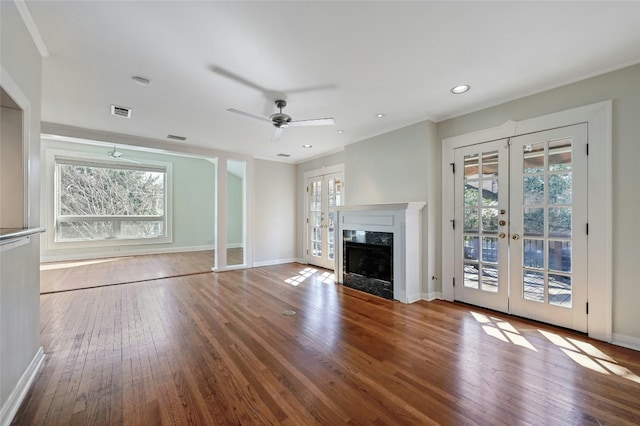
{"points": [[598, 117]]}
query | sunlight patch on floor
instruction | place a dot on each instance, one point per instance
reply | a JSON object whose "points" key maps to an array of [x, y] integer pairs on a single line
{"points": [[588, 356], [502, 330], [327, 278], [301, 277], [65, 265]]}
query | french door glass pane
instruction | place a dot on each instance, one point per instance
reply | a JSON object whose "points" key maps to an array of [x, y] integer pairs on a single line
{"points": [[547, 187], [480, 226], [490, 278], [315, 217], [335, 198], [560, 290], [533, 286], [471, 275]]}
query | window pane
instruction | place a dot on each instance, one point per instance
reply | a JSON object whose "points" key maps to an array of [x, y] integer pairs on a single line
{"points": [[81, 230], [490, 192], [471, 220], [560, 154], [533, 286], [533, 254], [141, 229], [490, 278], [560, 189], [471, 248], [533, 221], [560, 256], [533, 189], [560, 290], [470, 275], [490, 164], [102, 191], [490, 249], [471, 164], [471, 193], [560, 222], [533, 158], [490, 220]]}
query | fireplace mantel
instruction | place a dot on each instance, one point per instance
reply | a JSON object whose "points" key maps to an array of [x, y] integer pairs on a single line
{"points": [[404, 220]]}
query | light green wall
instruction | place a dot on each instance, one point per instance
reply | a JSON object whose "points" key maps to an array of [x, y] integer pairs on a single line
{"points": [[19, 279], [623, 87], [193, 201]]}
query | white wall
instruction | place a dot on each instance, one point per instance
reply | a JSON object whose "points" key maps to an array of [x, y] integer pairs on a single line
{"points": [[193, 203], [20, 291], [623, 87], [274, 214]]}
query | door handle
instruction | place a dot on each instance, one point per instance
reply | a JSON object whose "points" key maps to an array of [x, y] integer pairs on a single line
{"points": [[502, 235], [502, 222], [515, 237]]}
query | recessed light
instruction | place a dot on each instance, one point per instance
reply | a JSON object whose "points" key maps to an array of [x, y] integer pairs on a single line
{"points": [[307, 146], [460, 89], [379, 115], [141, 80], [340, 131]]}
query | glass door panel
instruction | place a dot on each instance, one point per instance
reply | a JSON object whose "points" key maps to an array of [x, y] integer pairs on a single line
{"points": [[324, 193], [549, 216], [481, 225]]}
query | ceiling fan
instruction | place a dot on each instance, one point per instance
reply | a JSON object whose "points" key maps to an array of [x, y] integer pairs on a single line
{"points": [[281, 120], [117, 155]]}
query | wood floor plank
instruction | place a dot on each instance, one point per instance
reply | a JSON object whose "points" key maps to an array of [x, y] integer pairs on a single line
{"points": [[216, 348]]}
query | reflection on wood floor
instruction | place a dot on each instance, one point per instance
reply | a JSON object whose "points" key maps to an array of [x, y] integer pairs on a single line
{"points": [[73, 275], [226, 348]]}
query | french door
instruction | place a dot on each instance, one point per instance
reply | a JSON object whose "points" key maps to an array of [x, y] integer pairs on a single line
{"points": [[323, 193], [521, 226]]}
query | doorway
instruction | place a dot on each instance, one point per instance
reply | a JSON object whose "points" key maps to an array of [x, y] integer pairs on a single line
{"points": [[323, 193], [538, 233], [521, 243]]}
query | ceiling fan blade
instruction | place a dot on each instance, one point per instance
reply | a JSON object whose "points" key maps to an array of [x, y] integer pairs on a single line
{"points": [[246, 114], [313, 122], [235, 77], [277, 134]]}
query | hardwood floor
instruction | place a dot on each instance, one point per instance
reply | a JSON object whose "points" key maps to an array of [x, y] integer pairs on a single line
{"points": [[73, 275], [219, 349]]}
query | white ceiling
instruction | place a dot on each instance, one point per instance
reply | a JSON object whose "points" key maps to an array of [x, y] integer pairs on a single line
{"points": [[347, 60]]}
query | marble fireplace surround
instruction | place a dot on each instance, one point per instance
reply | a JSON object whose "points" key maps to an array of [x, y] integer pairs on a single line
{"points": [[404, 220]]}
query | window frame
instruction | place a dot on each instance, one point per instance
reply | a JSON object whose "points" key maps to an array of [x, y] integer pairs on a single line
{"points": [[55, 158]]}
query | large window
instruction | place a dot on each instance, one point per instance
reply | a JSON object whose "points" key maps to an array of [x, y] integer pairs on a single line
{"points": [[97, 201]]}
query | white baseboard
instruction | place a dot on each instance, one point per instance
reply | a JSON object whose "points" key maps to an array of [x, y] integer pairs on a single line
{"points": [[626, 341], [276, 262], [432, 296], [10, 407]]}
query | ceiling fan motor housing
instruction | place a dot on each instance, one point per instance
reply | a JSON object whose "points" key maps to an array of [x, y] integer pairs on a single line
{"points": [[280, 119]]}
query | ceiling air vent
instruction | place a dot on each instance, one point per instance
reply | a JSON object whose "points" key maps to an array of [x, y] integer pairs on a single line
{"points": [[177, 138], [121, 111], [284, 155]]}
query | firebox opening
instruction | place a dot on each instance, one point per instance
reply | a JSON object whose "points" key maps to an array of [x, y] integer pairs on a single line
{"points": [[368, 260]]}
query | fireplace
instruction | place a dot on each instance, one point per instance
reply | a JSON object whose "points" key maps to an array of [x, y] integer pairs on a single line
{"points": [[379, 249], [368, 262]]}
